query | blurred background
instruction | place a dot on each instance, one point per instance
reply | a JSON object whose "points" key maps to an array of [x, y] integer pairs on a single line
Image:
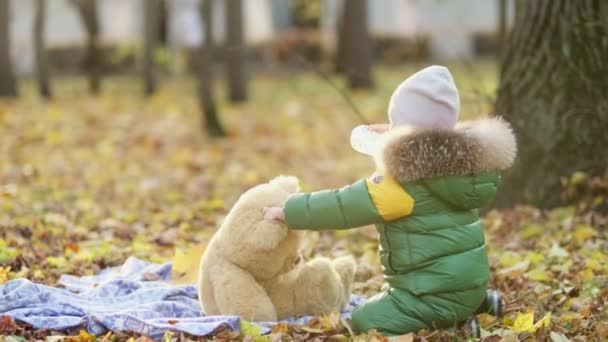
{"points": [[399, 30], [278, 72]]}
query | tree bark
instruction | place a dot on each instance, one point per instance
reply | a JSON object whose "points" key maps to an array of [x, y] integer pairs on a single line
{"points": [[341, 53], [42, 68], [236, 53], [151, 38], [502, 29], [553, 86], [7, 78], [211, 122], [88, 14], [357, 44]]}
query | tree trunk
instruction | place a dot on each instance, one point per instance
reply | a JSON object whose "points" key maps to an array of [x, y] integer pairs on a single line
{"points": [[151, 38], [89, 17], [553, 86], [502, 28], [358, 47], [236, 53], [340, 57], [42, 68], [7, 79], [163, 22], [211, 122]]}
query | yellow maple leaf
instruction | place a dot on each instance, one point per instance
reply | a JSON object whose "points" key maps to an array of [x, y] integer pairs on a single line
{"points": [[584, 232], [594, 265], [586, 274], [544, 322], [251, 329], [524, 322], [539, 275], [84, 336], [532, 230], [4, 271], [186, 263]]}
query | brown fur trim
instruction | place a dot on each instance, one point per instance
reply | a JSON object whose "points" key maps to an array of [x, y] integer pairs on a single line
{"points": [[476, 146]]}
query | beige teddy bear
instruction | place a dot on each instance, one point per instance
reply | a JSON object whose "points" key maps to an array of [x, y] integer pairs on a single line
{"points": [[252, 267]]}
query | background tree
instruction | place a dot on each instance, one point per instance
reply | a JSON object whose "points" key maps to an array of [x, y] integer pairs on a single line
{"points": [[501, 29], [42, 68], [210, 118], [152, 27], [88, 14], [236, 53], [553, 89], [340, 56], [7, 79], [355, 45]]}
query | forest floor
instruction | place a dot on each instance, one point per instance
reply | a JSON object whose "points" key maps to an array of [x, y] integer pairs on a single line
{"points": [[86, 182]]}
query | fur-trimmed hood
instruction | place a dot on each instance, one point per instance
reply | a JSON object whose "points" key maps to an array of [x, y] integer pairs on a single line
{"points": [[473, 147]]}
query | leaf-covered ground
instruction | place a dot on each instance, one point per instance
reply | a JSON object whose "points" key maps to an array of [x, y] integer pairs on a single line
{"points": [[86, 182]]}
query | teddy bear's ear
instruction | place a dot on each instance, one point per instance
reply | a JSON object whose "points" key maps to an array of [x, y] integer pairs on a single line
{"points": [[288, 183]]}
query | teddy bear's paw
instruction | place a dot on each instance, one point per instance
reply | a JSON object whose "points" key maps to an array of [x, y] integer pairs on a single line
{"points": [[346, 268], [319, 268], [322, 282]]}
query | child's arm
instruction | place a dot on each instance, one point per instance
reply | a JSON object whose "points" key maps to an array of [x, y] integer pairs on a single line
{"points": [[362, 203]]}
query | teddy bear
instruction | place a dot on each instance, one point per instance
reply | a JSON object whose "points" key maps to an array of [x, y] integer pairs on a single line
{"points": [[253, 268]]}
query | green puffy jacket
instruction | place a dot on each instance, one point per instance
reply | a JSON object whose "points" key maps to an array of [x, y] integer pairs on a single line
{"points": [[425, 206]]}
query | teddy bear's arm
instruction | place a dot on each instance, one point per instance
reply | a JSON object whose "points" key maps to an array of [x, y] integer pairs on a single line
{"points": [[267, 235], [236, 292]]}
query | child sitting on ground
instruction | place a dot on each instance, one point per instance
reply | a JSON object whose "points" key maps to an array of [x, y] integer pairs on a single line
{"points": [[432, 177]]}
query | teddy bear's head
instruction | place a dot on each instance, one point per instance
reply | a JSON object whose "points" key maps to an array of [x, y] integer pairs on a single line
{"points": [[263, 247]]}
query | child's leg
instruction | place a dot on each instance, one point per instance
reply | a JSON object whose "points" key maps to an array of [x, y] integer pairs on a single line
{"points": [[398, 312], [392, 312]]}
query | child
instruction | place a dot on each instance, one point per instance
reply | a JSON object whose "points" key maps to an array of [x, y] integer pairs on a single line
{"points": [[432, 176]]}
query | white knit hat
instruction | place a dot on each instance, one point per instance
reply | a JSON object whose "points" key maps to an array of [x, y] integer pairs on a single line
{"points": [[427, 99]]}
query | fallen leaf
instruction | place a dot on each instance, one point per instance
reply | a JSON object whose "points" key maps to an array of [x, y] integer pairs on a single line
{"points": [[168, 237], [486, 320], [583, 232], [509, 338], [558, 252], [544, 322], [185, 265], [54, 338], [539, 275], [339, 338], [402, 338], [531, 231], [524, 322], [516, 270], [558, 337], [280, 328], [252, 330], [84, 336], [14, 338]]}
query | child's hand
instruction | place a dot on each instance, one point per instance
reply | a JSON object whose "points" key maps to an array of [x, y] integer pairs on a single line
{"points": [[378, 128], [274, 213]]}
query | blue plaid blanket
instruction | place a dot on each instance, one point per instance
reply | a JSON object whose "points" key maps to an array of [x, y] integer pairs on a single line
{"points": [[135, 297]]}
